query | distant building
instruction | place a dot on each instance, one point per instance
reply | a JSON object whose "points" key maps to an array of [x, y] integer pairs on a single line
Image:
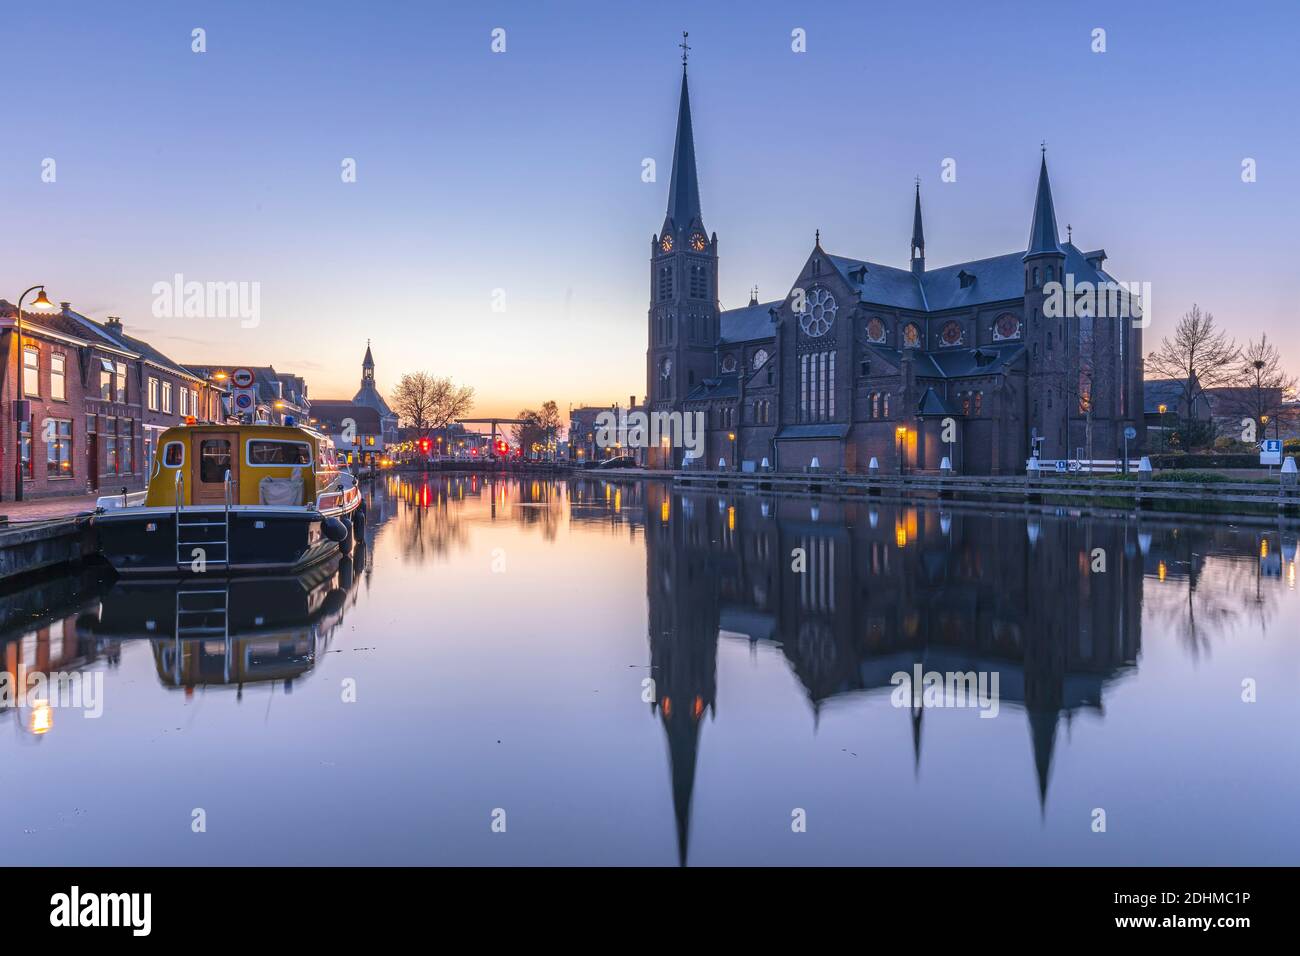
{"points": [[369, 395], [356, 430]]}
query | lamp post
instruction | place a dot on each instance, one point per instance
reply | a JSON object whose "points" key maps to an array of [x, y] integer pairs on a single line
{"points": [[735, 465], [1164, 439], [901, 433], [21, 413]]}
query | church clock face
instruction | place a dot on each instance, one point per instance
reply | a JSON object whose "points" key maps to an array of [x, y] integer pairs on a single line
{"points": [[666, 243], [698, 242], [818, 313]]}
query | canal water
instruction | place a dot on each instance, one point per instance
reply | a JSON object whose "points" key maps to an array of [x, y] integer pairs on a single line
{"points": [[613, 672]]}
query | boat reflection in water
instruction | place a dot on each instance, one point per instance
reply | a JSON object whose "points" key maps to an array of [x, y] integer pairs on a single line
{"points": [[229, 632]]}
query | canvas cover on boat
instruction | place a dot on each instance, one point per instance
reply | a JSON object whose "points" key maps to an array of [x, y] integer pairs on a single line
{"points": [[281, 491]]}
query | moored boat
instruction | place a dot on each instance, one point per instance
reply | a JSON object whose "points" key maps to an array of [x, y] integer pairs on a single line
{"points": [[232, 499]]}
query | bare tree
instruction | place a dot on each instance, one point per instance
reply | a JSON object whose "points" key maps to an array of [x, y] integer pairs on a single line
{"points": [[1262, 383], [1199, 357], [427, 404]]}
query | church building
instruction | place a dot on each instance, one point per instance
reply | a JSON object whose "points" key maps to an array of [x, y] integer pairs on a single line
{"points": [[979, 362]]}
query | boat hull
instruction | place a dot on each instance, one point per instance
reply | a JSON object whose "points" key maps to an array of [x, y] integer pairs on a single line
{"points": [[145, 541]]}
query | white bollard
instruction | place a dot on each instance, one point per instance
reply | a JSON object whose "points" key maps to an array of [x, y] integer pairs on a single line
{"points": [[722, 464], [765, 466], [1144, 467], [873, 467], [945, 466]]}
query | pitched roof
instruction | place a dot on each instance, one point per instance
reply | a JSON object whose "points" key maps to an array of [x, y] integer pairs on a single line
{"points": [[333, 412], [748, 323], [726, 385], [932, 403]]}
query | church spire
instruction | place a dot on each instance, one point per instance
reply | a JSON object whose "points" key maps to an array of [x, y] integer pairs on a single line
{"points": [[918, 234], [684, 189], [367, 367], [1042, 234]]}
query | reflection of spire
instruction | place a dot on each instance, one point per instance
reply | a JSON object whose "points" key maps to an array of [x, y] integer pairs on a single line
{"points": [[1042, 728], [918, 712], [683, 731]]}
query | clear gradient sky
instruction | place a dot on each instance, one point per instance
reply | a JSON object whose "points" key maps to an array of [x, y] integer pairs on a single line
{"points": [[521, 171]]}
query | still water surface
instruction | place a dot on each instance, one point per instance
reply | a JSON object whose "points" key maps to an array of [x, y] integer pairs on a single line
{"points": [[638, 676]]}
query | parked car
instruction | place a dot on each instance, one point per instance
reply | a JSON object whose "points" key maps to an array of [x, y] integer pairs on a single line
{"points": [[621, 461]]}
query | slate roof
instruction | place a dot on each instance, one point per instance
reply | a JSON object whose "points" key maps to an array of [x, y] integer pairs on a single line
{"points": [[332, 412], [955, 363], [997, 279], [724, 386], [827, 430], [747, 324], [932, 403]]}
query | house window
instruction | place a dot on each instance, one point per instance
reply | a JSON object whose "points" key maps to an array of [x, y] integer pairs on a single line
{"points": [[58, 382], [167, 397], [194, 403], [58, 456], [126, 444], [979, 403], [120, 381], [25, 443], [31, 372], [105, 380], [108, 438], [965, 403], [185, 402], [875, 404], [886, 404], [153, 394]]}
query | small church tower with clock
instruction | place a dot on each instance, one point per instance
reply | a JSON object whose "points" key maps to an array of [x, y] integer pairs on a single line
{"points": [[683, 315]]}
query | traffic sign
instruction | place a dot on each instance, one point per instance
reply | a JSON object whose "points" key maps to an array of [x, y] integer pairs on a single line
{"points": [[1270, 452], [1130, 433], [244, 400], [241, 377]]}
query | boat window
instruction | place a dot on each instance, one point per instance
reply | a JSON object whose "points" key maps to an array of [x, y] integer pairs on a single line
{"points": [[174, 454], [279, 453], [214, 459]]}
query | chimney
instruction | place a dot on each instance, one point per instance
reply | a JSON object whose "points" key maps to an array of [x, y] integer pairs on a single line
{"points": [[113, 324], [66, 306], [631, 402]]}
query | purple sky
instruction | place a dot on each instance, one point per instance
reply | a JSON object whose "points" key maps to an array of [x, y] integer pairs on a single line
{"points": [[521, 171]]}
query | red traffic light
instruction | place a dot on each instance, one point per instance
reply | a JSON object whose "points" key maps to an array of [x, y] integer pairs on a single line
{"points": [[424, 445]]}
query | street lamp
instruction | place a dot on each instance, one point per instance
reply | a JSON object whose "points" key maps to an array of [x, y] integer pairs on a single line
{"points": [[731, 437], [21, 407], [901, 433], [1162, 408]]}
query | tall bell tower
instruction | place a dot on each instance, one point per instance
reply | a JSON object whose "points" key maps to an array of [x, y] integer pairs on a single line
{"points": [[683, 314]]}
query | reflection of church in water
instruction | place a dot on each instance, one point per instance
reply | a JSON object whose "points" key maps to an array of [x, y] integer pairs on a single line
{"points": [[884, 588]]}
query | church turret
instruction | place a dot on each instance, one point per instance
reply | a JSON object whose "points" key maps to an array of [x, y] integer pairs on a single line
{"points": [[918, 235], [683, 326], [368, 368], [1046, 335]]}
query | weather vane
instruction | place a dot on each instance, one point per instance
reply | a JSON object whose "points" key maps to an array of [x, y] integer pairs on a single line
{"points": [[686, 50]]}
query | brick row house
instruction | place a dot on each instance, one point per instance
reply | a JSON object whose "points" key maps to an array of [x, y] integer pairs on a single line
{"points": [[98, 399]]}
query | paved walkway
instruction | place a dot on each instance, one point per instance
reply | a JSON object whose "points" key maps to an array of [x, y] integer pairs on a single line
{"points": [[38, 508]]}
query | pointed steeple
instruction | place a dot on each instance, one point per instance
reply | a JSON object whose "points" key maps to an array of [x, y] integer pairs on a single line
{"points": [[1042, 234], [918, 234], [369, 360], [684, 189]]}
